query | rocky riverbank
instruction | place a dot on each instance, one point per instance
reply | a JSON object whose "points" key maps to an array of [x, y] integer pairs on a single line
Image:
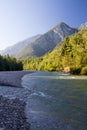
{"points": [[12, 111], [12, 78], [12, 115]]}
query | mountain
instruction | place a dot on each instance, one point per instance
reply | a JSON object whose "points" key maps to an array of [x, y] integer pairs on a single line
{"points": [[12, 50], [40, 44], [83, 25], [47, 41], [70, 55]]}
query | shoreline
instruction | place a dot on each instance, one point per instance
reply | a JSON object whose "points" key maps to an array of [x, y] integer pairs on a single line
{"points": [[12, 114], [12, 78], [12, 111]]}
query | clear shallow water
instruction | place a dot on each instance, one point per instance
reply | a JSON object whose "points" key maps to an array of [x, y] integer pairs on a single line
{"points": [[58, 101], [55, 101]]}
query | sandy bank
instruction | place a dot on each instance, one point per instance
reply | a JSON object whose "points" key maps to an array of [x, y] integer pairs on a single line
{"points": [[12, 78]]}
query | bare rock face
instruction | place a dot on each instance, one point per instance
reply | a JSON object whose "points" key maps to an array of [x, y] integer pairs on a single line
{"points": [[40, 44], [47, 41], [84, 25], [66, 70]]}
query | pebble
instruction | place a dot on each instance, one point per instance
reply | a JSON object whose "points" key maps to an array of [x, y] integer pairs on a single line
{"points": [[12, 115]]}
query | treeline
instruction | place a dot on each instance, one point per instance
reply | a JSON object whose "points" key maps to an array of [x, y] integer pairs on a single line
{"points": [[69, 56], [8, 63]]}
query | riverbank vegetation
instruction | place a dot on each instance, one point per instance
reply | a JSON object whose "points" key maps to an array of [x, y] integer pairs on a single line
{"points": [[8, 63], [69, 56]]}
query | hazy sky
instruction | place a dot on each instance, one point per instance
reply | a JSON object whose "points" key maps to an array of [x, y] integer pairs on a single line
{"points": [[20, 19]]}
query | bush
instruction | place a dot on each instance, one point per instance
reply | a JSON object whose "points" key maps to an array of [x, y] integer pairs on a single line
{"points": [[75, 70], [84, 71]]}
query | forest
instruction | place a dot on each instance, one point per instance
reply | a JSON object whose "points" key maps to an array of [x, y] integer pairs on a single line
{"points": [[68, 56], [8, 63]]}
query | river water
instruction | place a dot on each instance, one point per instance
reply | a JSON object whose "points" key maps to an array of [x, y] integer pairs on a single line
{"points": [[55, 101]]}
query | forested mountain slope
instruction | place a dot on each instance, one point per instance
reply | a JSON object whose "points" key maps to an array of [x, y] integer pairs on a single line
{"points": [[69, 55], [46, 42]]}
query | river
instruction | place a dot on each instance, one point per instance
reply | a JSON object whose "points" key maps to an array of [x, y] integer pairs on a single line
{"points": [[55, 101]]}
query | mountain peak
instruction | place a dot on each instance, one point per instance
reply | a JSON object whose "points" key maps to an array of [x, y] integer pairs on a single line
{"points": [[61, 24], [62, 29], [42, 45]]}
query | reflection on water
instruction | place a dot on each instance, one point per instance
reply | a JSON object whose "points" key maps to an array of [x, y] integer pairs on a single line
{"points": [[59, 99]]}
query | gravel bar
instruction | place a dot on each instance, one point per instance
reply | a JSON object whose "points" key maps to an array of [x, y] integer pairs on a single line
{"points": [[12, 114], [12, 78], [12, 111]]}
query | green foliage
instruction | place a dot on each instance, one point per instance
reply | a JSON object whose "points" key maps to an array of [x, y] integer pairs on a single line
{"points": [[84, 70], [75, 70], [71, 53], [8, 63]]}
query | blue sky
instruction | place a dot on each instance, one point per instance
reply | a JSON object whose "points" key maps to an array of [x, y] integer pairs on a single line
{"points": [[20, 19]]}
